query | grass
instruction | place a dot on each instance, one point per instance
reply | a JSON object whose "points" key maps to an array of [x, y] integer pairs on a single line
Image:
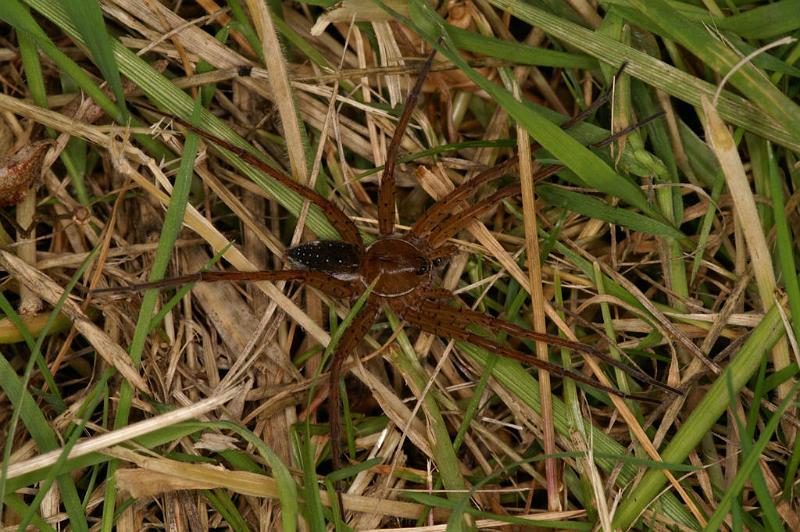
{"points": [[675, 251]]}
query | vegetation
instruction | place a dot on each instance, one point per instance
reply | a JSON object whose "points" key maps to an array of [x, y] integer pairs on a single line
{"points": [[673, 250]]}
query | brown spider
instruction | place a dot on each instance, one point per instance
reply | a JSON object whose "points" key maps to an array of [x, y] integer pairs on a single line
{"points": [[399, 268]]}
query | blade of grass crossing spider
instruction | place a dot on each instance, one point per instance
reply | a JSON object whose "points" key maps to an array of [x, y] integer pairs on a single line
{"points": [[589, 167], [314, 511], [88, 18], [173, 221], [349, 431], [359, 311]]}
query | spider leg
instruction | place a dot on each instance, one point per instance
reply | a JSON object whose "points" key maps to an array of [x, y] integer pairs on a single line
{"points": [[430, 224], [462, 317], [386, 202], [326, 283], [341, 222], [446, 206], [358, 328], [441, 324], [469, 215], [462, 219], [597, 104]]}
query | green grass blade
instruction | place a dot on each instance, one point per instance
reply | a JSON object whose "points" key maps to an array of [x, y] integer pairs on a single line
{"points": [[750, 462], [173, 222], [287, 488], [718, 55], [88, 18], [166, 95], [594, 208], [26, 409], [37, 426], [658, 74], [705, 414], [763, 22], [524, 387], [15, 14], [444, 455], [785, 241], [521, 54], [149, 441]]}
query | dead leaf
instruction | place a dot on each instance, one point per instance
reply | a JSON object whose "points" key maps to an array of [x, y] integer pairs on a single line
{"points": [[20, 170]]}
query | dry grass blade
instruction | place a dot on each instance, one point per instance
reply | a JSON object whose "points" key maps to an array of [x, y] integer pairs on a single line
{"points": [[281, 88], [526, 176], [749, 222], [51, 292], [133, 431]]}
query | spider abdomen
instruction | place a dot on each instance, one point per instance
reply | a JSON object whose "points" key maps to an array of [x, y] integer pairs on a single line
{"points": [[335, 257]]}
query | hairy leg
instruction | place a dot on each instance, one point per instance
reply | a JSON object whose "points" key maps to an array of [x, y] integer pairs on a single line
{"points": [[322, 281], [347, 343], [386, 201], [441, 324], [463, 317]]}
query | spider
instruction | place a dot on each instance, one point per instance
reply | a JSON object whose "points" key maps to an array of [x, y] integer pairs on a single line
{"points": [[399, 269]]}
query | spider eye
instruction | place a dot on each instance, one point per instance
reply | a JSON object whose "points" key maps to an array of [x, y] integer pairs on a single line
{"points": [[439, 261], [423, 268]]}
